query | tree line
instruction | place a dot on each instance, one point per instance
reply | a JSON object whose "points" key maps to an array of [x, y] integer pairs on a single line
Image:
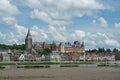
{"points": [[14, 46], [102, 50]]}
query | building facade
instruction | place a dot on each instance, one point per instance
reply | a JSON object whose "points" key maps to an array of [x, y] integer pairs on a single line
{"points": [[68, 47]]}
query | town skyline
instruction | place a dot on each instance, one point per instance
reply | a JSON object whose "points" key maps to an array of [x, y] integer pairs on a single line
{"points": [[96, 22]]}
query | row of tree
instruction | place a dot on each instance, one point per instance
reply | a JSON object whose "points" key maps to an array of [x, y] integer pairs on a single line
{"points": [[14, 46], [102, 50]]}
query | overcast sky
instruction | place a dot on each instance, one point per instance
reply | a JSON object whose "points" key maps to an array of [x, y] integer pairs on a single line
{"points": [[97, 22]]}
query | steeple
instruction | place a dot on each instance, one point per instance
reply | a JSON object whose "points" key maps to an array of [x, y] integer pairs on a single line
{"points": [[53, 42], [28, 34], [28, 42], [82, 45]]}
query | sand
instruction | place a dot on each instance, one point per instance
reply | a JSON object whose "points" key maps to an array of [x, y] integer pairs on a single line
{"points": [[68, 73]]}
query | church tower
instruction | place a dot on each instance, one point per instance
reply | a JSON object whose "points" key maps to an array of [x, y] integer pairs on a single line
{"points": [[82, 45], [28, 42]]}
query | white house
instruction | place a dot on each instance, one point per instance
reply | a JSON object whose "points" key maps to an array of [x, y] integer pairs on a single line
{"points": [[6, 56], [22, 57]]}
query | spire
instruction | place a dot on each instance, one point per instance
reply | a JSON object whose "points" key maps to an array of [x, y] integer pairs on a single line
{"points": [[53, 42], [28, 34], [82, 44]]}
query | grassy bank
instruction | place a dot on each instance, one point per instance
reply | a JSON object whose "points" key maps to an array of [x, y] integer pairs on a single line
{"points": [[42, 63], [7, 63], [56, 64]]}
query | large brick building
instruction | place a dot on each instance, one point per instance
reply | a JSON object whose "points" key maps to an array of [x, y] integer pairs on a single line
{"points": [[67, 47]]}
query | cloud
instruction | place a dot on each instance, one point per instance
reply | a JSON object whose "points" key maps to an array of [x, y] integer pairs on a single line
{"points": [[117, 25], [62, 28], [55, 34], [21, 30], [112, 43], [8, 38], [54, 13], [7, 11], [47, 18], [93, 4], [78, 34], [94, 21], [10, 20], [96, 40], [39, 34], [12, 38], [1, 35], [102, 22]]}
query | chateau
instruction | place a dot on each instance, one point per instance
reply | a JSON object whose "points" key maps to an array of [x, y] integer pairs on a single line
{"points": [[67, 47], [67, 50]]}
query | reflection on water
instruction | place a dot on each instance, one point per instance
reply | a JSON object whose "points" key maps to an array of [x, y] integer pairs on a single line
{"points": [[34, 66], [47, 66]]}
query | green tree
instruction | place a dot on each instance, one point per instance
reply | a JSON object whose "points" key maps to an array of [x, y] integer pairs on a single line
{"points": [[115, 50], [14, 46], [108, 50], [101, 50], [94, 50], [44, 51]]}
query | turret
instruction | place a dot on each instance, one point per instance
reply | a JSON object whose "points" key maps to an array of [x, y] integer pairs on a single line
{"points": [[61, 47], [54, 46]]}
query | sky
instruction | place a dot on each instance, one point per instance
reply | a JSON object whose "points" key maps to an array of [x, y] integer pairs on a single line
{"points": [[96, 22]]}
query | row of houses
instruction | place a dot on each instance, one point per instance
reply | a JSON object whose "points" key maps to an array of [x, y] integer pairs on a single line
{"points": [[55, 56]]}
